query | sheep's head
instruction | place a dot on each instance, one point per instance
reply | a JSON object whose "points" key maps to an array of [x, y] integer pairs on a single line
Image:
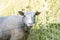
{"points": [[28, 17]]}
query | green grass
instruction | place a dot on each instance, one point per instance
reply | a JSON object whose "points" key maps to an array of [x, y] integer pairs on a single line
{"points": [[46, 32]]}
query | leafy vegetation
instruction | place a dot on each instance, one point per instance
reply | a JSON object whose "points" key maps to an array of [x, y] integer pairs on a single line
{"points": [[50, 13], [47, 32]]}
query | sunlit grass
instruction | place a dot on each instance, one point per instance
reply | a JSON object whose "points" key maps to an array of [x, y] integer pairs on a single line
{"points": [[50, 13], [48, 32]]}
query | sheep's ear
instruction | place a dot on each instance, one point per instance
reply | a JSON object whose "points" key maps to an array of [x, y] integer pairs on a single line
{"points": [[21, 13], [37, 13]]}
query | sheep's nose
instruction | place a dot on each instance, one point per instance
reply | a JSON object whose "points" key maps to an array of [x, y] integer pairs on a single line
{"points": [[30, 24]]}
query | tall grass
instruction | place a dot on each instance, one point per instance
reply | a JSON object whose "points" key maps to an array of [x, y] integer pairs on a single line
{"points": [[50, 9], [46, 32]]}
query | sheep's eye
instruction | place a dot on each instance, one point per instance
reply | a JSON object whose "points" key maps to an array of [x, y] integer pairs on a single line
{"points": [[24, 15]]}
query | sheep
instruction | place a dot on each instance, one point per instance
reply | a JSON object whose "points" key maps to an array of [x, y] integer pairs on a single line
{"points": [[17, 27], [2, 19]]}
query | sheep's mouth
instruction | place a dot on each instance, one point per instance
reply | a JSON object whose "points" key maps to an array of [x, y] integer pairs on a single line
{"points": [[28, 25]]}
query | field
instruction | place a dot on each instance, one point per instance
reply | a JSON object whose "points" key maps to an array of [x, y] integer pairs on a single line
{"points": [[47, 32], [47, 26]]}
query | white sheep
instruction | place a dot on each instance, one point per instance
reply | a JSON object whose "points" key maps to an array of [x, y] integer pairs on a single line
{"points": [[17, 27]]}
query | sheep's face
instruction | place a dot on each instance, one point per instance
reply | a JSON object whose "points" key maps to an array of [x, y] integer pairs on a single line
{"points": [[28, 17]]}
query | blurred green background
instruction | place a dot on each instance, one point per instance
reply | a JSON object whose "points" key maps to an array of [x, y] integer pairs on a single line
{"points": [[47, 26]]}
